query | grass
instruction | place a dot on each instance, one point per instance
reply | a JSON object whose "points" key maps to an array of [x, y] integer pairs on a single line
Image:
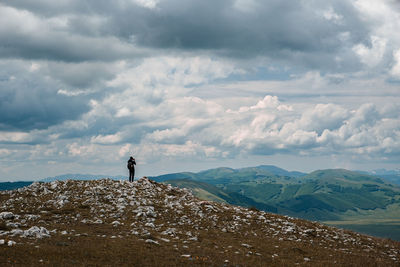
{"points": [[212, 249]]}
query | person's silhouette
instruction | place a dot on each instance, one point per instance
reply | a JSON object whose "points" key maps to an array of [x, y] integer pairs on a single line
{"points": [[131, 167]]}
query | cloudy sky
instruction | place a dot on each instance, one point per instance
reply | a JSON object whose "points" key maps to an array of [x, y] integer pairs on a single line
{"points": [[191, 85]]}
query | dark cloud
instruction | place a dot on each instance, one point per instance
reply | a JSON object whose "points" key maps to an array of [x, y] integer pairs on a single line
{"points": [[82, 75], [28, 102], [63, 47], [299, 32], [307, 33], [48, 7]]}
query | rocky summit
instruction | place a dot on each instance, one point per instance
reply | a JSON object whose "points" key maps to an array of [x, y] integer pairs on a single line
{"points": [[144, 223]]}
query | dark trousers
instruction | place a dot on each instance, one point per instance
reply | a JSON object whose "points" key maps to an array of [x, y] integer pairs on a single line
{"points": [[131, 175]]}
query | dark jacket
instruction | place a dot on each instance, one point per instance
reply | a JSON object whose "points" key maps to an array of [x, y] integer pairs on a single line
{"points": [[131, 164]]}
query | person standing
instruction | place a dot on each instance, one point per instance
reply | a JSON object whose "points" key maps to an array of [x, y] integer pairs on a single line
{"points": [[131, 168]]}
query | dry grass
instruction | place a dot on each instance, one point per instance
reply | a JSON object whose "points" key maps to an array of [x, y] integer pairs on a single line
{"points": [[214, 240]]}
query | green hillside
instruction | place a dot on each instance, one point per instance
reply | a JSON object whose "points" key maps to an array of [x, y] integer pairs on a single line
{"points": [[209, 192], [336, 196]]}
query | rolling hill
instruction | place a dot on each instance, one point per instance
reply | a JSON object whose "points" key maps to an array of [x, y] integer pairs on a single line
{"points": [[336, 196], [209, 192]]}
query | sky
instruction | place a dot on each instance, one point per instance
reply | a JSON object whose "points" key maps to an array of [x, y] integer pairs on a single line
{"points": [[192, 85]]}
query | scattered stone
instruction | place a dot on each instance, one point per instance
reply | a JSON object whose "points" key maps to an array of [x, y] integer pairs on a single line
{"points": [[246, 245], [6, 215], [36, 232], [151, 241]]}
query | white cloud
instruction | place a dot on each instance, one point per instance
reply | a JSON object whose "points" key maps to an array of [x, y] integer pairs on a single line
{"points": [[4, 152], [147, 3], [330, 14], [395, 71], [15, 137], [125, 151], [372, 56], [106, 139], [322, 117], [384, 18], [34, 67]]}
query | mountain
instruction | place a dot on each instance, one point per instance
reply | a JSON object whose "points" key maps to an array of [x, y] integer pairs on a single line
{"points": [[392, 176], [340, 197], [222, 176], [281, 172], [144, 223]]}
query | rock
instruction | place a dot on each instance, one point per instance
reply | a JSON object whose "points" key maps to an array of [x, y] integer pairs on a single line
{"points": [[246, 245], [6, 215], [116, 223], [36, 232], [151, 241]]}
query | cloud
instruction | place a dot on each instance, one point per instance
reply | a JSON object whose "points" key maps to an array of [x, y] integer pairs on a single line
{"points": [[78, 31], [395, 71], [323, 128], [371, 56], [29, 101], [26, 35], [90, 82]]}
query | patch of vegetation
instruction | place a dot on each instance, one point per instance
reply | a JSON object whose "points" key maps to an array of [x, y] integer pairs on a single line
{"points": [[321, 195]]}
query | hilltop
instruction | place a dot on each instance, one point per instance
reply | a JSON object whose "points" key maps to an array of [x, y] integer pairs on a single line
{"points": [[144, 223], [348, 199]]}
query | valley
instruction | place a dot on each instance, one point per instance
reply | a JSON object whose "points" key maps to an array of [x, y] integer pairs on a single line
{"points": [[348, 199]]}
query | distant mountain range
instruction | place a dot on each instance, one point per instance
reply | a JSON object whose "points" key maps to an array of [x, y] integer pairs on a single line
{"points": [[349, 199], [320, 195], [389, 175]]}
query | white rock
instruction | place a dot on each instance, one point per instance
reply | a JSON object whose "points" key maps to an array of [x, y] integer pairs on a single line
{"points": [[149, 224], [16, 232], [11, 243], [6, 215], [37, 232], [151, 241], [116, 223], [2, 242]]}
